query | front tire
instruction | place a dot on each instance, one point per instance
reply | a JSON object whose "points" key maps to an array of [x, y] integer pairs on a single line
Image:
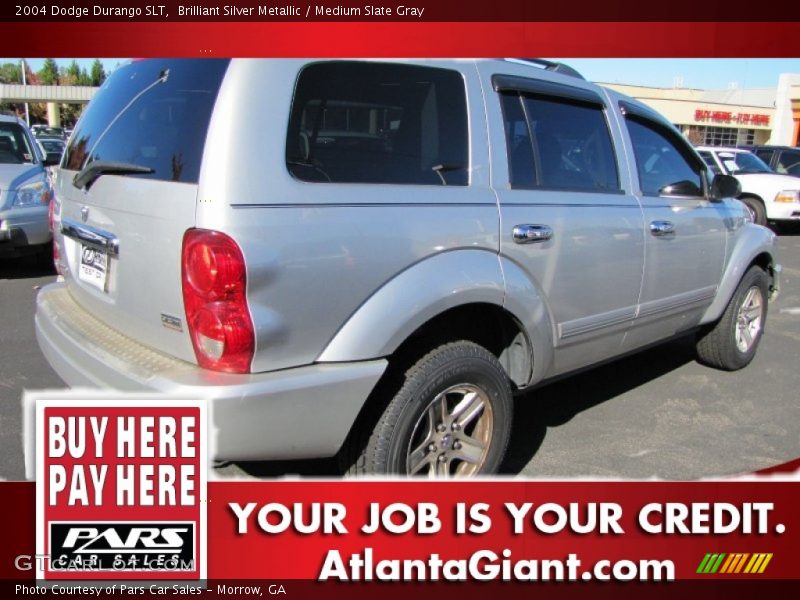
{"points": [[757, 210], [450, 418], [731, 343]]}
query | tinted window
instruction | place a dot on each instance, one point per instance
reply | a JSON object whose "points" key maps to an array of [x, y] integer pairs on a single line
{"points": [[710, 162], [378, 123], [764, 154], [14, 147], [789, 163], [558, 144], [663, 161], [152, 113]]}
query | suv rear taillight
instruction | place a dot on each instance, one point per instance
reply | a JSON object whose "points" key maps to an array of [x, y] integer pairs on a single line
{"points": [[214, 281]]}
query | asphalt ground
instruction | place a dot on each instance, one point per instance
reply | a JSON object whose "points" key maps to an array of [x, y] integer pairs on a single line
{"points": [[653, 414]]}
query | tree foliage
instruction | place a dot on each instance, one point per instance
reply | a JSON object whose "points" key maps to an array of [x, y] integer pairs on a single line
{"points": [[51, 74], [48, 74]]}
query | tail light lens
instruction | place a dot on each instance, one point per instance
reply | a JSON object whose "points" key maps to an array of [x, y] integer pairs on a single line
{"points": [[214, 281]]}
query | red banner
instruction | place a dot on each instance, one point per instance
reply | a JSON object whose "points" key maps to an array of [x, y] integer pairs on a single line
{"points": [[425, 39], [511, 531]]}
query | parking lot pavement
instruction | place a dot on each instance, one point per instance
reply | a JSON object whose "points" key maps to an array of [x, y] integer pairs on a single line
{"points": [[654, 414]]}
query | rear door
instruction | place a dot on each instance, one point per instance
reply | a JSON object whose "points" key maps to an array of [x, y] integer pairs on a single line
{"points": [[566, 217], [123, 225]]}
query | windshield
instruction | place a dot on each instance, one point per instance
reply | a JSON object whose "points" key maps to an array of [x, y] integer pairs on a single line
{"points": [[14, 147], [153, 114], [52, 145], [743, 162]]}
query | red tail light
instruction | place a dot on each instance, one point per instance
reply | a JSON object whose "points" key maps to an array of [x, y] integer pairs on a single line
{"points": [[214, 281]]}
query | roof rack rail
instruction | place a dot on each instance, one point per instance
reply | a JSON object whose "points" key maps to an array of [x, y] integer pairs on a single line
{"points": [[549, 65]]}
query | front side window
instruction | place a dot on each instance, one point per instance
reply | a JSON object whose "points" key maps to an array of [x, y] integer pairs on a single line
{"points": [[665, 165], [14, 146], [355, 122], [558, 143], [788, 163]]}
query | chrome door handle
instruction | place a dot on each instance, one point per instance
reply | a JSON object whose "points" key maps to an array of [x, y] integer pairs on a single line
{"points": [[91, 236], [528, 234], [661, 228]]}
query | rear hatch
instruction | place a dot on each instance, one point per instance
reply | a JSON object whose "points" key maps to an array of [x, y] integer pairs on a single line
{"points": [[128, 193]]}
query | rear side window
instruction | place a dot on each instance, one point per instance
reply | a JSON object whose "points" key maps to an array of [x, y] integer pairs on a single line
{"points": [[151, 113], [558, 144], [378, 123], [665, 165]]}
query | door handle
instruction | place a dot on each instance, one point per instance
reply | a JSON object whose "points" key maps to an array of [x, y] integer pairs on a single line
{"points": [[662, 228], [529, 234]]}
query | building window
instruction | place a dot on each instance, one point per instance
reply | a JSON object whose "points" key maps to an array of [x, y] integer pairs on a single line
{"points": [[705, 135]]}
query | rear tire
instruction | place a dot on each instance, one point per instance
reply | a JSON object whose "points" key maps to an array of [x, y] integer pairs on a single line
{"points": [[451, 417], [731, 343]]}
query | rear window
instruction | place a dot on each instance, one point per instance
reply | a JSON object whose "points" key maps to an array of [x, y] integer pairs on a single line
{"points": [[378, 123], [151, 113]]}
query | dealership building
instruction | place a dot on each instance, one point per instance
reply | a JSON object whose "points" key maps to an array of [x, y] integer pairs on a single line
{"points": [[728, 117]]}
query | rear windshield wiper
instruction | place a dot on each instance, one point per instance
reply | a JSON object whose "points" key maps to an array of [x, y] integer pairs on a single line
{"points": [[87, 176]]}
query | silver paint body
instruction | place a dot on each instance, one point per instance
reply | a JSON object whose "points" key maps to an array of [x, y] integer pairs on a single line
{"points": [[339, 275]]}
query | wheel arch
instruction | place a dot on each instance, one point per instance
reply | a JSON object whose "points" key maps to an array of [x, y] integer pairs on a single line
{"points": [[755, 246]]}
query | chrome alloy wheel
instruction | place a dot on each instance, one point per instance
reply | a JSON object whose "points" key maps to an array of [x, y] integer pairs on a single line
{"points": [[749, 318], [453, 434]]}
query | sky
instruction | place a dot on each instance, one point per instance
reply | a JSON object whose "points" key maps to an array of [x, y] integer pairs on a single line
{"points": [[704, 73]]}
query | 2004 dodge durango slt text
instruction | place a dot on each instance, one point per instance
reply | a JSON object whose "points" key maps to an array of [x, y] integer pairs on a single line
{"points": [[394, 250]]}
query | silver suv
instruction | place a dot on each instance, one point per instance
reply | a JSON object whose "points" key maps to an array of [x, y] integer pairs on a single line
{"points": [[394, 251]]}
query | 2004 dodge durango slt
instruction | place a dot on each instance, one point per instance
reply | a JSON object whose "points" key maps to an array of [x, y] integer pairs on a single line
{"points": [[369, 258]]}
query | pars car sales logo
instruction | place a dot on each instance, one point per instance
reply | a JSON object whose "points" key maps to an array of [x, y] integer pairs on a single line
{"points": [[120, 488]]}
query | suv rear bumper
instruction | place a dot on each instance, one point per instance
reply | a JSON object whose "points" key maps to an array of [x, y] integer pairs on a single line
{"points": [[304, 412]]}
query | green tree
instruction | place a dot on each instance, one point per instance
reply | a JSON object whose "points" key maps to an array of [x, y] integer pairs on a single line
{"points": [[48, 74], [97, 74], [72, 74], [10, 73]]}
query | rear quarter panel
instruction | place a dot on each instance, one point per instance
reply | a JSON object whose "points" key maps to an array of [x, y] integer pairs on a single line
{"points": [[316, 252]]}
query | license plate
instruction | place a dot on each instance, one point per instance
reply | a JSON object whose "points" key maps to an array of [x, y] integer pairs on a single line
{"points": [[94, 267]]}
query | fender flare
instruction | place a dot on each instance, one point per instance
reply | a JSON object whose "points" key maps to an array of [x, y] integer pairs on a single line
{"points": [[412, 298], [752, 242], [431, 287]]}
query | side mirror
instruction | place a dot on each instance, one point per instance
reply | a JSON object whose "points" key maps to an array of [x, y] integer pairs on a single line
{"points": [[681, 188], [725, 186]]}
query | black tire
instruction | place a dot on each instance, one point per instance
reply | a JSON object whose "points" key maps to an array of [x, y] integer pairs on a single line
{"points": [[718, 346], [44, 256], [757, 210], [459, 374]]}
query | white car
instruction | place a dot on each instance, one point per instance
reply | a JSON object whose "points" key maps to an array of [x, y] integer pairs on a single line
{"points": [[769, 196]]}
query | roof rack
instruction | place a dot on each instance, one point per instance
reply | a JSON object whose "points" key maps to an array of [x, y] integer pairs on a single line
{"points": [[549, 65]]}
